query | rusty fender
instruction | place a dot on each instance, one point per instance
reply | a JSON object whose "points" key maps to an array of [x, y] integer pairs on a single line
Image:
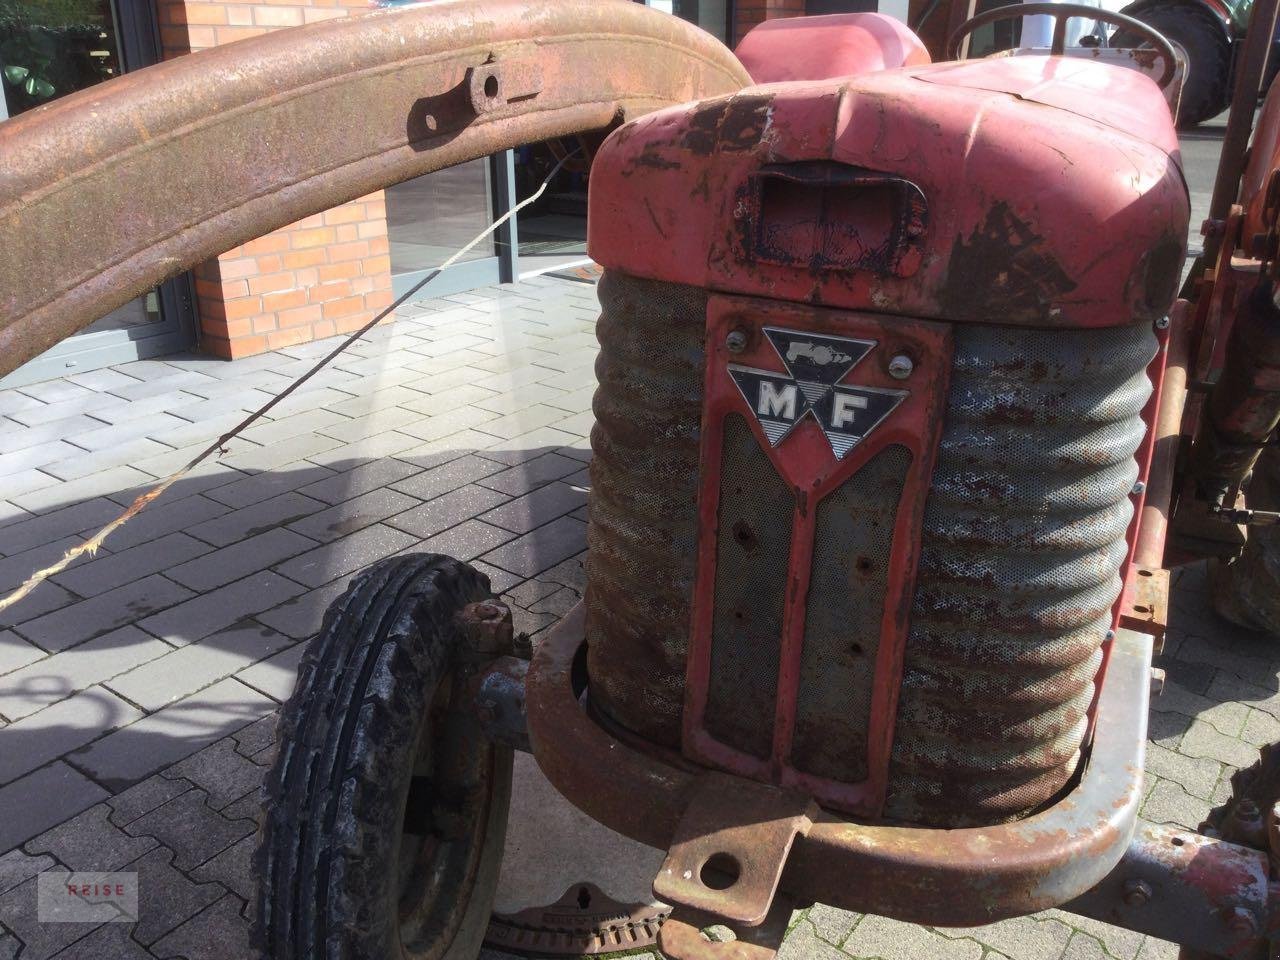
{"points": [[109, 191], [945, 877]]}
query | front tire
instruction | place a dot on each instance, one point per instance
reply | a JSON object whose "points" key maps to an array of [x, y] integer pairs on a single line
{"points": [[387, 808], [1206, 90]]}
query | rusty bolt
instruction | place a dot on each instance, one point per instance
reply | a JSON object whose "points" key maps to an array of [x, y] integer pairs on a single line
{"points": [[522, 646], [1139, 487], [1162, 323], [1137, 893], [900, 367], [488, 625], [1241, 922], [736, 341]]}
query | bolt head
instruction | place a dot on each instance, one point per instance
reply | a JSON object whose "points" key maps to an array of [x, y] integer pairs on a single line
{"points": [[1139, 487], [1162, 323], [736, 341], [1137, 893], [900, 367]]}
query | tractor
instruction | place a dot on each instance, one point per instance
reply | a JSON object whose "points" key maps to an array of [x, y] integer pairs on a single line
{"points": [[901, 424]]}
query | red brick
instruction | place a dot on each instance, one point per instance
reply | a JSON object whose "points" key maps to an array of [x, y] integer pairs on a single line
{"points": [[241, 307], [349, 251], [276, 242], [270, 282], [371, 228], [235, 268], [306, 223], [248, 346], [308, 277], [378, 300], [323, 329], [353, 322], [340, 271], [377, 265], [346, 232], [271, 263], [343, 308], [284, 300], [299, 316], [330, 291], [204, 13], [304, 258], [347, 213], [239, 328], [232, 34], [287, 338], [265, 323], [315, 237], [379, 245], [277, 16]]}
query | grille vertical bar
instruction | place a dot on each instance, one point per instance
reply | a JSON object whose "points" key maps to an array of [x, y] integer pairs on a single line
{"points": [[853, 537], [753, 548]]}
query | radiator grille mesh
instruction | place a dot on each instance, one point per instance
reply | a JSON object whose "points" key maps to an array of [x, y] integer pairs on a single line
{"points": [[1021, 550], [753, 547], [853, 536]]}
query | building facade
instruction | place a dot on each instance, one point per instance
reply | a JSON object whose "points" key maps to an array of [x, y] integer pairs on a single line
{"points": [[332, 272]]}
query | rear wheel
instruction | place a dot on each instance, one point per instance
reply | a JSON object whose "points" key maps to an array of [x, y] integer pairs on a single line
{"points": [[386, 808], [1199, 37]]}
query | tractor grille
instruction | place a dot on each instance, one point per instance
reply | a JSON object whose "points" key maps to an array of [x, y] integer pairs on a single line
{"points": [[1023, 539], [752, 551], [852, 538], [643, 529]]}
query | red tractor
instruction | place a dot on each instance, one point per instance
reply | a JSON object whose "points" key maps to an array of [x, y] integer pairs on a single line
{"points": [[896, 402]]}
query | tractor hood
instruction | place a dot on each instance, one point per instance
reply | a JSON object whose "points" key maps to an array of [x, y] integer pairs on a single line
{"points": [[1024, 190]]}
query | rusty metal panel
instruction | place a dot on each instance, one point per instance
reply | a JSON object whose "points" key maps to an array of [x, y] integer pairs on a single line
{"points": [[753, 546], [853, 538], [642, 536], [1023, 543], [173, 164]]}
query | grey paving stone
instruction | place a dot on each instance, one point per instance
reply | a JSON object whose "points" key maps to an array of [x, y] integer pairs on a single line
{"points": [[234, 525], [446, 511], [189, 827], [90, 842], [111, 940], [83, 464], [499, 580], [440, 425], [222, 773], [17, 437], [530, 592], [56, 524], [230, 563], [831, 924], [359, 480], [371, 424], [1197, 776], [218, 932], [169, 381], [537, 508], [182, 672], [12, 401], [144, 797], [467, 540], [344, 557], [438, 481], [891, 940], [126, 756], [1169, 803], [60, 494], [302, 616], [532, 474], [17, 865], [108, 437], [256, 737], [524, 421], [277, 456], [1117, 942], [803, 943], [1228, 687], [20, 461], [263, 486], [233, 869], [166, 516], [16, 653], [557, 604], [45, 598], [306, 424], [542, 549], [352, 515], [1226, 717], [1260, 729], [40, 940], [366, 449], [1153, 949], [1203, 740], [276, 676], [25, 481], [529, 445], [60, 728], [113, 570], [42, 799], [91, 618], [207, 613]]}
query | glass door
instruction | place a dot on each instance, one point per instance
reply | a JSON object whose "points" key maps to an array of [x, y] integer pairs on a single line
{"points": [[48, 50]]}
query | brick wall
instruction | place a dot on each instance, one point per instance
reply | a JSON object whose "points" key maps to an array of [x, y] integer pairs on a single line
{"points": [[747, 13], [327, 274]]}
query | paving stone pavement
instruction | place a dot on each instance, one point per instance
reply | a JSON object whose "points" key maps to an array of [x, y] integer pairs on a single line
{"points": [[138, 689]]}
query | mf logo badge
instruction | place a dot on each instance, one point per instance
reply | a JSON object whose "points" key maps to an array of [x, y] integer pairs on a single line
{"points": [[816, 365]]}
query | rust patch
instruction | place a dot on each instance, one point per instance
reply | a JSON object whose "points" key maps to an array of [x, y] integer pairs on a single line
{"points": [[1004, 270]]}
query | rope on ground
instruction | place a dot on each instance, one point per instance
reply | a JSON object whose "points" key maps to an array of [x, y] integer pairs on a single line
{"points": [[91, 545]]}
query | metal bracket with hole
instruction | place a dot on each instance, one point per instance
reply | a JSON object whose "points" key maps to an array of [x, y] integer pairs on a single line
{"points": [[725, 862], [494, 85]]}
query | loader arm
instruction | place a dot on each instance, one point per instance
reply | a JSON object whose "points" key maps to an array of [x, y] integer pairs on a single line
{"points": [[255, 135]]}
